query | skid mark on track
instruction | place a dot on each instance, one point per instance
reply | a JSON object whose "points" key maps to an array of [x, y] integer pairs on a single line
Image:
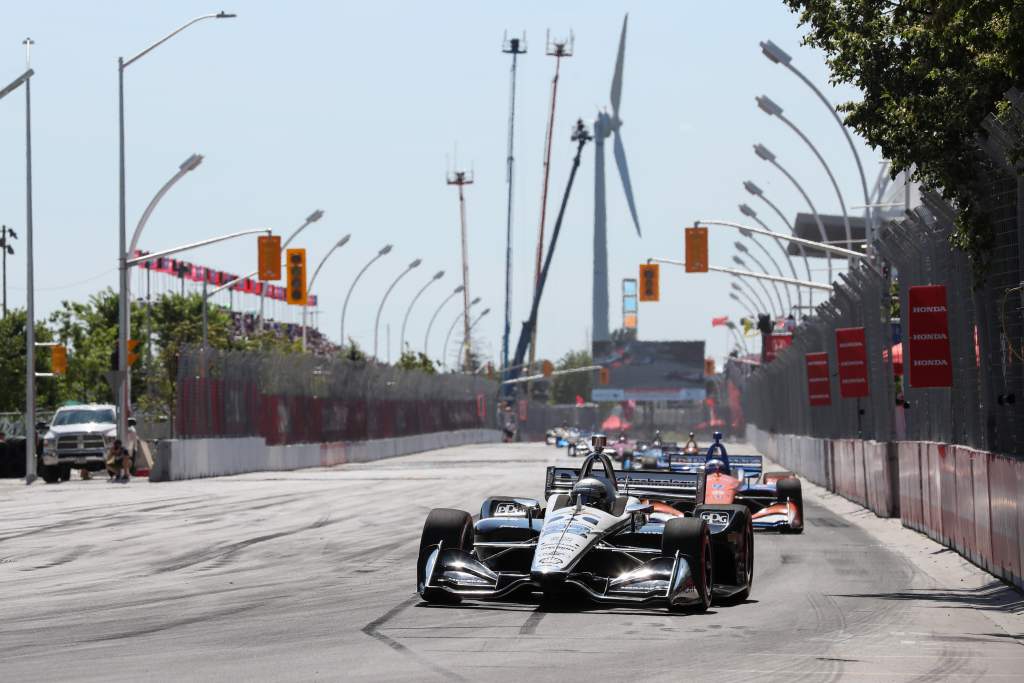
{"points": [[372, 629], [529, 626]]}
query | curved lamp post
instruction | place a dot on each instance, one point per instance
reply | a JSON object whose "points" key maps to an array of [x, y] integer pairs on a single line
{"points": [[745, 301], [769, 107], [742, 248], [344, 309], [426, 337], [472, 324], [750, 213], [744, 288], [401, 337], [764, 303], [122, 398], [759, 193], [448, 337], [309, 288], [376, 322], [763, 152], [776, 54]]}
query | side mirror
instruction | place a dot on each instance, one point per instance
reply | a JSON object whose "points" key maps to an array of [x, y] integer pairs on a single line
{"points": [[42, 426]]}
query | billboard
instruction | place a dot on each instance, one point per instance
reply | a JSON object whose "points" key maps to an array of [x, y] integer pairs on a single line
{"points": [[931, 362], [650, 370], [852, 358]]}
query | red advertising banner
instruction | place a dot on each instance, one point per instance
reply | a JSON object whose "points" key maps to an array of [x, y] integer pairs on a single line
{"points": [[852, 356], [774, 344], [819, 390], [931, 363]]}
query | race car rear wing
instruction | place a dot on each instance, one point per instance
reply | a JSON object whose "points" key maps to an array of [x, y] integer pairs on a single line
{"points": [[752, 466], [669, 487]]}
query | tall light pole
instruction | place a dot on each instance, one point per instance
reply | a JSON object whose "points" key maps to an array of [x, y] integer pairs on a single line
{"points": [[739, 285], [426, 337], [759, 193], [344, 309], [465, 343], [742, 248], [742, 264], [750, 213], [309, 288], [514, 47], [745, 301], [401, 337], [448, 337], [123, 256], [764, 153], [776, 54], [380, 309], [769, 107]]}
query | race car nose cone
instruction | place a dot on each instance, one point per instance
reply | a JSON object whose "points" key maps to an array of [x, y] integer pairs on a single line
{"points": [[548, 578]]}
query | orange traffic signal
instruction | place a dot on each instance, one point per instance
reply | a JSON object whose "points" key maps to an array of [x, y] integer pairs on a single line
{"points": [[547, 368], [604, 376], [58, 359], [649, 275], [696, 250], [296, 263], [132, 356], [269, 257]]}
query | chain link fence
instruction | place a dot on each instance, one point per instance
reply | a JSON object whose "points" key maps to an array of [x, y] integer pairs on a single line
{"points": [[985, 331], [300, 398]]}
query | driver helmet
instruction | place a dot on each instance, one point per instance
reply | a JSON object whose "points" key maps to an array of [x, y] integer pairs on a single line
{"points": [[715, 466], [691, 447], [592, 492]]}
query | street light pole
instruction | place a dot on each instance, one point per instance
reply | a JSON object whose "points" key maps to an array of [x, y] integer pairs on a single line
{"points": [[309, 288], [776, 54], [448, 337], [750, 292], [401, 337], [741, 247], [769, 107], [380, 309], [426, 337], [123, 304], [764, 153], [742, 264], [465, 342], [386, 250], [750, 213]]}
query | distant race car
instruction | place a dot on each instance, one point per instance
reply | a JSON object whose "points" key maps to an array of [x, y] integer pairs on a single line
{"points": [[775, 499], [595, 537]]}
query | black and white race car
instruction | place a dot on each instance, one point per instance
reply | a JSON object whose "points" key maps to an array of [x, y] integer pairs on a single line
{"points": [[595, 537]]}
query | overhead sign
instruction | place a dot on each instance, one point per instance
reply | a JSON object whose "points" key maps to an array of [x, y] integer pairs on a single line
{"points": [[696, 250], [819, 389], [649, 286], [269, 257], [852, 357], [931, 363], [296, 260]]}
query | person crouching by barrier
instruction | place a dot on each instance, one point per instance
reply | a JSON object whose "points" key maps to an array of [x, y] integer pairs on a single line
{"points": [[119, 463]]}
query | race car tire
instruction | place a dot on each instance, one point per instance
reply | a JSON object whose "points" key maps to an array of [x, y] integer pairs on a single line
{"points": [[736, 568], [791, 490], [452, 529], [689, 536]]}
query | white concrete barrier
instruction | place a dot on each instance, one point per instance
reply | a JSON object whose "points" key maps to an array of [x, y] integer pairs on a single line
{"points": [[195, 458]]}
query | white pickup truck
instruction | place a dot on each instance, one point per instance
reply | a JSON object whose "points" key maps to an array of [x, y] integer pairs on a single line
{"points": [[77, 438]]}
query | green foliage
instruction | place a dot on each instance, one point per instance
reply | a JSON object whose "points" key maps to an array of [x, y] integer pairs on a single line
{"points": [[623, 335], [565, 388], [930, 71], [416, 360], [12, 364]]}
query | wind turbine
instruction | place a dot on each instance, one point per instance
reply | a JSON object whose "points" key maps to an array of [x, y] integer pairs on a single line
{"points": [[607, 125]]}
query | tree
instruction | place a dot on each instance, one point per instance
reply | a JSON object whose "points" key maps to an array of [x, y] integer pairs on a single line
{"points": [[930, 71], [12, 364], [416, 360], [565, 388]]}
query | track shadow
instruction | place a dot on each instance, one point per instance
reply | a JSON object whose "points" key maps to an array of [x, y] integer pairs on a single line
{"points": [[994, 596]]}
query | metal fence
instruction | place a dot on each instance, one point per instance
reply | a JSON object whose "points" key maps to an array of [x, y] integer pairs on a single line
{"points": [[985, 330], [299, 398]]}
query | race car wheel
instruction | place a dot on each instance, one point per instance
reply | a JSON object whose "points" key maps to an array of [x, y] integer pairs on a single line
{"points": [[790, 489], [452, 529], [689, 536]]}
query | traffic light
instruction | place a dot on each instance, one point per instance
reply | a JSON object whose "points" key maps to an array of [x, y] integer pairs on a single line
{"points": [[58, 359], [604, 376], [649, 273], [132, 356], [696, 250], [269, 257], [547, 368], [296, 262]]}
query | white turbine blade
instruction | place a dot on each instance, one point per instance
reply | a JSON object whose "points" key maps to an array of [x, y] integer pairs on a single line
{"points": [[617, 78], [620, 161]]}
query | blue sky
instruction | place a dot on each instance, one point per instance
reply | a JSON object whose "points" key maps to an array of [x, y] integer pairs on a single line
{"points": [[355, 107]]}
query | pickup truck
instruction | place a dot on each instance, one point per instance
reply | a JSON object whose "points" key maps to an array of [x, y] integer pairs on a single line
{"points": [[77, 438]]}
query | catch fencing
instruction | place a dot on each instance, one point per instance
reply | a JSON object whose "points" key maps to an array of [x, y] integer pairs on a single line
{"points": [[300, 398], [985, 331]]}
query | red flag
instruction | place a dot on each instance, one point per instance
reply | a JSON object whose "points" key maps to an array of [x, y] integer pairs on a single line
{"points": [[715, 322]]}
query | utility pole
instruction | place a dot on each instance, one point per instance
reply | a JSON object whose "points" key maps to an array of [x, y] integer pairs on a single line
{"points": [[6, 235], [557, 49], [514, 47], [461, 179]]}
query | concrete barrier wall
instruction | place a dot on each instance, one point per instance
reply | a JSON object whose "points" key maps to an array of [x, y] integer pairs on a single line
{"points": [[195, 458], [968, 500]]}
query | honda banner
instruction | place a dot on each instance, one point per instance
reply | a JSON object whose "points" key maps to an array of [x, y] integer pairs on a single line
{"points": [[775, 343], [928, 338], [819, 390], [851, 354]]}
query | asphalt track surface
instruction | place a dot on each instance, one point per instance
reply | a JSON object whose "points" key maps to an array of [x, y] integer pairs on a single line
{"points": [[309, 575]]}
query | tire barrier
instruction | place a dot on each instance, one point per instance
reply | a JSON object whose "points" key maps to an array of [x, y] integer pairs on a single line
{"points": [[968, 500], [178, 459]]}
